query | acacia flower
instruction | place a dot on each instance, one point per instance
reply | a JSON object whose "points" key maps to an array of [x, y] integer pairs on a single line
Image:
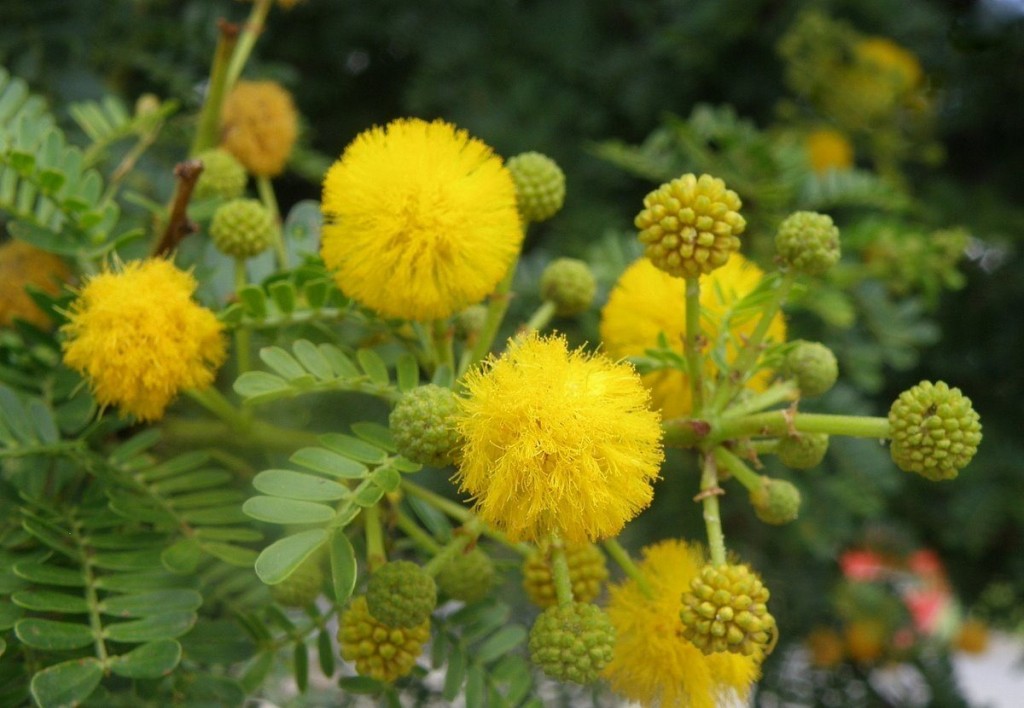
{"points": [[421, 219], [652, 663], [557, 441], [22, 264], [646, 302], [139, 338], [259, 125], [828, 149]]}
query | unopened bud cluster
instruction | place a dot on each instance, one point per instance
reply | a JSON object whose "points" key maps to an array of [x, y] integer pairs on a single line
{"points": [[401, 594], [726, 610], [572, 642], [423, 425], [935, 430], [540, 185], [377, 650], [691, 225]]}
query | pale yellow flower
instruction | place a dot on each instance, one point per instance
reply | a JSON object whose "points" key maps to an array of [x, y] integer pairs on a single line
{"points": [[140, 339], [647, 302]]}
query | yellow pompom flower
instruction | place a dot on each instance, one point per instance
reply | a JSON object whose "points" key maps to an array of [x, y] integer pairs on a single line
{"points": [[21, 265], [259, 125], [647, 301], [828, 149], [557, 441], [139, 338], [884, 55], [420, 220], [652, 663]]}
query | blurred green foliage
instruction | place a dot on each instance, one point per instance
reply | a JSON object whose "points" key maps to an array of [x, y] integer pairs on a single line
{"points": [[626, 94]]}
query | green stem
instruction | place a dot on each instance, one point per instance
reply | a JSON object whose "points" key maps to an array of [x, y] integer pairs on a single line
{"points": [[621, 556], [451, 549], [243, 335], [541, 317], [560, 572], [442, 344], [91, 598], [738, 468], [782, 422], [250, 33], [739, 369], [497, 306], [462, 515], [260, 436], [214, 401], [691, 346], [783, 392], [376, 556], [266, 192], [208, 132], [712, 516], [420, 537]]}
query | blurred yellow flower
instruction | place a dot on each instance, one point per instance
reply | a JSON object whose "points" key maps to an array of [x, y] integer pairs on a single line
{"points": [[557, 441], [420, 220], [646, 302], [652, 663], [139, 338], [828, 149], [22, 264], [896, 62], [259, 125]]}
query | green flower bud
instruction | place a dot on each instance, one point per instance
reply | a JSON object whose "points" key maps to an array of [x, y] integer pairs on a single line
{"points": [[302, 587], [935, 430], [467, 576], [423, 425], [690, 226], [242, 228], [570, 284], [803, 450], [378, 650], [808, 242], [222, 176], [470, 322], [540, 185], [572, 642], [726, 610], [776, 501], [814, 367], [401, 594]]}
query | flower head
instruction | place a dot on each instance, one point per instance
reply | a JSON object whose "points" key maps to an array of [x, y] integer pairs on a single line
{"points": [[421, 219], [21, 265], [647, 302], [828, 149], [140, 339], [652, 662], [259, 125], [558, 441], [691, 225]]}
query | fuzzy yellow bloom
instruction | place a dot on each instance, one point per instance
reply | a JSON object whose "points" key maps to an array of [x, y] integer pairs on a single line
{"points": [[259, 125], [652, 663], [884, 55], [828, 149], [557, 441], [140, 338], [23, 265], [421, 219], [646, 302]]}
